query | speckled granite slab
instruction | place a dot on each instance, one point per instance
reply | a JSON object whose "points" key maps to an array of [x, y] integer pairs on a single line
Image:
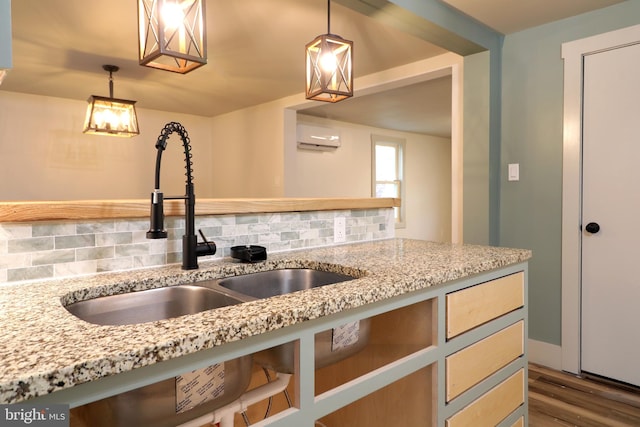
{"points": [[44, 348]]}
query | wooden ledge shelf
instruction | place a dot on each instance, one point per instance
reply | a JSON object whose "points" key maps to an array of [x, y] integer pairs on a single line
{"points": [[138, 208]]}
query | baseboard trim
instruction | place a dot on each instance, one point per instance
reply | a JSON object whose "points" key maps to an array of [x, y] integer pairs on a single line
{"points": [[545, 354]]}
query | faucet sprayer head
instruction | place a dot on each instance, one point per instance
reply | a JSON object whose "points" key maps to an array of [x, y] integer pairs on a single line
{"points": [[156, 230]]}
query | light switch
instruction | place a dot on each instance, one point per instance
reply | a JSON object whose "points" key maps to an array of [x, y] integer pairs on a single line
{"points": [[514, 171]]}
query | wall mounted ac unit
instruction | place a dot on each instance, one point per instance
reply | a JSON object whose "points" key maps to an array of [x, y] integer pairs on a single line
{"points": [[317, 138]]}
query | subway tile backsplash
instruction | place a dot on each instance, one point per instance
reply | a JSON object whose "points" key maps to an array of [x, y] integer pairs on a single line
{"points": [[45, 250]]}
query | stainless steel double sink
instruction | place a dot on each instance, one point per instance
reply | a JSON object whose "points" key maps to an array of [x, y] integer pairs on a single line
{"points": [[150, 305], [278, 282], [174, 301]]}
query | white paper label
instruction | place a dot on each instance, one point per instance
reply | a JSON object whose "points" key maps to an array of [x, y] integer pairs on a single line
{"points": [[199, 386], [345, 335]]}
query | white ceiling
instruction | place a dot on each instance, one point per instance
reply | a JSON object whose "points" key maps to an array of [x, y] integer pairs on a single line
{"points": [[255, 52], [255, 55], [420, 108]]}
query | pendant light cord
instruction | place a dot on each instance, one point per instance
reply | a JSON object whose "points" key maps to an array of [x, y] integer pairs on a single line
{"points": [[110, 84], [328, 16], [110, 69]]}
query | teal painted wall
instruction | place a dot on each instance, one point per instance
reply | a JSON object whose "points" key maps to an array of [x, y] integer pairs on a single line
{"points": [[5, 34], [532, 105], [513, 114]]}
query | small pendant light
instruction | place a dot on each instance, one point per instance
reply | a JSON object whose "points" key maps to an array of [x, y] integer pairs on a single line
{"points": [[111, 116], [172, 34], [329, 66]]}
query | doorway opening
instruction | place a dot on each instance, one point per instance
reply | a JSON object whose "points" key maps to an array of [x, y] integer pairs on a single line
{"points": [[448, 66]]}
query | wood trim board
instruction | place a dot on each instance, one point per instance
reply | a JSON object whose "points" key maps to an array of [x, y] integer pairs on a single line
{"points": [[138, 208]]}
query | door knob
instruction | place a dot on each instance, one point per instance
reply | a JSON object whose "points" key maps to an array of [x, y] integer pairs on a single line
{"points": [[592, 227]]}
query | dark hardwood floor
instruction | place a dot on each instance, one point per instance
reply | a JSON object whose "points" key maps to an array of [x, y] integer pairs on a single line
{"points": [[561, 399]]}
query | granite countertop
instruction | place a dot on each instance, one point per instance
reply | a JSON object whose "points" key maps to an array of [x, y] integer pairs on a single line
{"points": [[44, 348]]}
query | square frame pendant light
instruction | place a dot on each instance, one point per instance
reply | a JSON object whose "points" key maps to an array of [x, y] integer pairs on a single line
{"points": [[172, 34], [329, 66], [111, 116]]}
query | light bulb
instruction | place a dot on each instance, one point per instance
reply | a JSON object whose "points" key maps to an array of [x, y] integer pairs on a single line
{"points": [[109, 119], [98, 119], [172, 15], [328, 62]]}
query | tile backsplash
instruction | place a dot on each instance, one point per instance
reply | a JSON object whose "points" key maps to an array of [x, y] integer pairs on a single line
{"points": [[43, 250]]}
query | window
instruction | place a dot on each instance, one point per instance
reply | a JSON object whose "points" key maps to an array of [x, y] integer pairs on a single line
{"points": [[388, 171]]}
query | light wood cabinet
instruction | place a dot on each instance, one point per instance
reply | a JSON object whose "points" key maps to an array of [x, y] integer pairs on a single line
{"points": [[407, 402], [494, 406], [484, 358], [471, 365], [479, 304], [482, 354]]}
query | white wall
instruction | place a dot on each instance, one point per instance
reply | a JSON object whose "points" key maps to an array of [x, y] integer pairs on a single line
{"points": [[246, 153], [247, 156], [428, 189], [45, 156], [346, 172]]}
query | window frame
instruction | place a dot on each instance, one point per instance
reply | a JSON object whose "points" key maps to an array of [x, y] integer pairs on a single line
{"points": [[400, 146]]}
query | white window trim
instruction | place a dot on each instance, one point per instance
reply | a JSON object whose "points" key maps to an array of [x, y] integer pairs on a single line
{"points": [[395, 142]]}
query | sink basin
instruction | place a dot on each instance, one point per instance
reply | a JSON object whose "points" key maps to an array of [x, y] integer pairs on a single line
{"points": [[164, 403], [267, 284], [149, 305]]}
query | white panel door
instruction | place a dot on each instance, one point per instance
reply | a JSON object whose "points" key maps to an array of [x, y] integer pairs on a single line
{"points": [[611, 199]]}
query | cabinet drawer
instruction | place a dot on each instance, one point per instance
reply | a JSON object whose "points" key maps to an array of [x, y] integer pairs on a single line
{"points": [[479, 304], [519, 423], [494, 406], [472, 364]]}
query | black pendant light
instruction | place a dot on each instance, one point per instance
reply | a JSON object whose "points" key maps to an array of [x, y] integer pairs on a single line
{"points": [[111, 116]]}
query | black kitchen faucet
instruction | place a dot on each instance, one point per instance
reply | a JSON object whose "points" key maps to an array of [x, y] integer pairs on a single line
{"points": [[191, 249]]}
